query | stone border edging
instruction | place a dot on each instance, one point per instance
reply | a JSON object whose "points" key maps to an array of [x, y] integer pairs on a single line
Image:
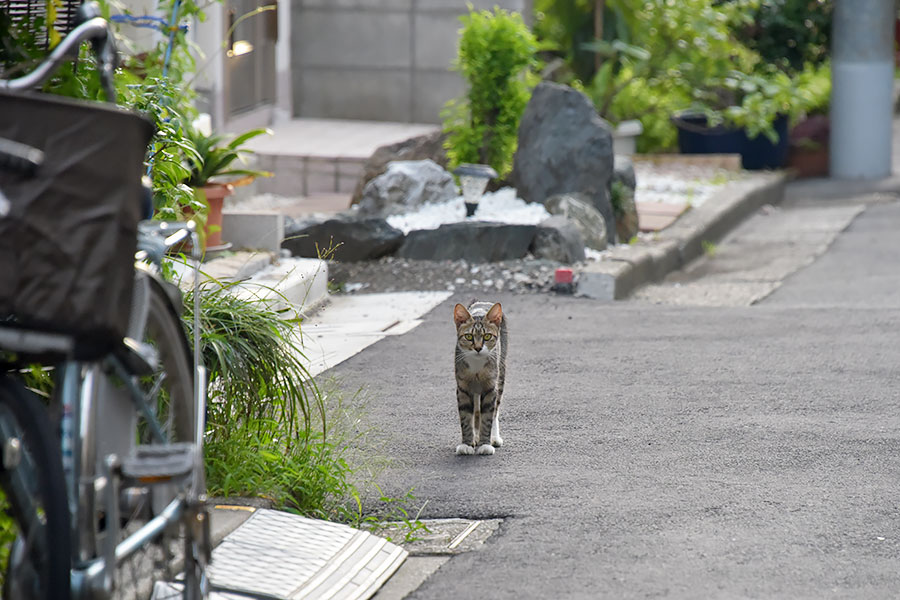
{"points": [[626, 268]]}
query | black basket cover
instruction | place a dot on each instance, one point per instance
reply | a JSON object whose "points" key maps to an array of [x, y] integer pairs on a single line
{"points": [[67, 243]]}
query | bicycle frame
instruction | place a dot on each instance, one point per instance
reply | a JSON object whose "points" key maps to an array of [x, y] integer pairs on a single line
{"points": [[91, 577], [78, 385]]}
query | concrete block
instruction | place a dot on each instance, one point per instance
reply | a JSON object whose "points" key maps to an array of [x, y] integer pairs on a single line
{"points": [[598, 280], [336, 5], [352, 39], [237, 266], [459, 6], [281, 183], [253, 229], [433, 90], [303, 282], [376, 95], [435, 38], [346, 184], [320, 177]]}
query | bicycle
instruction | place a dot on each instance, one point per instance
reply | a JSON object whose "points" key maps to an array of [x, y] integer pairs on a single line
{"points": [[94, 504]]}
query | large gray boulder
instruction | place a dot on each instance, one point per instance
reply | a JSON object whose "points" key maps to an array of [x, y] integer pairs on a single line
{"points": [[472, 241], [587, 219], [558, 239], [563, 147], [420, 147], [352, 239], [406, 185]]}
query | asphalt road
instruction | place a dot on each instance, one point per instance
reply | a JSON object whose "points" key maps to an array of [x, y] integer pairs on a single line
{"points": [[670, 451]]}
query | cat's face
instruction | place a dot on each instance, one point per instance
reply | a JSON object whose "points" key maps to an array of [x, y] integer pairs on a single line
{"points": [[478, 333]]}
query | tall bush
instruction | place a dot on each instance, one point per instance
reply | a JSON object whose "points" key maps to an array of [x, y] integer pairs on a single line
{"points": [[791, 33], [496, 57]]}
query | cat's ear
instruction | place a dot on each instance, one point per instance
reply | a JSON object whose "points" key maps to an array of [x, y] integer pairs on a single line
{"points": [[460, 314], [495, 315]]}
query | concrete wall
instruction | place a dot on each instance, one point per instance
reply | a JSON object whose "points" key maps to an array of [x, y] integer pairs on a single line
{"points": [[384, 60]]}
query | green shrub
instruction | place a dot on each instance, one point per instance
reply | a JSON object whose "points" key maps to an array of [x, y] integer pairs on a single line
{"points": [[496, 55], [685, 56], [564, 27], [791, 33]]}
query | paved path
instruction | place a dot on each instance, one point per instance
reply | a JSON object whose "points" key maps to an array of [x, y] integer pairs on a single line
{"points": [[670, 451]]}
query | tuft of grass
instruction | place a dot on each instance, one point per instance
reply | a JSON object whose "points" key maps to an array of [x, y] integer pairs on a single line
{"points": [[709, 248], [257, 370]]}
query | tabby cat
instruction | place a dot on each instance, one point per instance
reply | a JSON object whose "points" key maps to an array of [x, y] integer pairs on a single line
{"points": [[480, 374]]}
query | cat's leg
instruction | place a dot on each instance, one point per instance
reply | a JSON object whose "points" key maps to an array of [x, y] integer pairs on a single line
{"points": [[465, 404], [496, 440], [488, 404]]}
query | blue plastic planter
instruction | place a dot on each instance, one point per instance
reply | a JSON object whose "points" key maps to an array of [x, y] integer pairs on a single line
{"points": [[695, 137]]}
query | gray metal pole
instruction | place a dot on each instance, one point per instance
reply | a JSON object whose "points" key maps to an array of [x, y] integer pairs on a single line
{"points": [[862, 88]]}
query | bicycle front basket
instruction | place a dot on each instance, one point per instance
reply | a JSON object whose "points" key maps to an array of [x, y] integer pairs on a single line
{"points": [[67, 243]]}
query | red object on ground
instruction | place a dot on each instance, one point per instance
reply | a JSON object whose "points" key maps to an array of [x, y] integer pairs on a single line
{"points": [[564, 275]]}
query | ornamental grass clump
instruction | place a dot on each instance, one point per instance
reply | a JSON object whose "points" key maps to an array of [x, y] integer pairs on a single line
{"points": [[266, 430], [496, 58]]}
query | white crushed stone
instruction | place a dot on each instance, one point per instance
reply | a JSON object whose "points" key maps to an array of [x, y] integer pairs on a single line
{"points": [[676, 184], [501, 206]]}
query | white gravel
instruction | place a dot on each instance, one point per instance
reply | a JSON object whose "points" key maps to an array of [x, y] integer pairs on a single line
{"points": [[501, 206], [678, 184]]}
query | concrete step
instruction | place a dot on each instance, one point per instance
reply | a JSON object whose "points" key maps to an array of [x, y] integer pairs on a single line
{"points": [[323, 156]]}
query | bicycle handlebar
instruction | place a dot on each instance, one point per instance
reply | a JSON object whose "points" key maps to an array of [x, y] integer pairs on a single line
{"points": [[94, 28]]}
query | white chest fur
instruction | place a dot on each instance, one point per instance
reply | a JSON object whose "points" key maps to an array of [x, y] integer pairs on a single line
{"points": [[479, 361]]}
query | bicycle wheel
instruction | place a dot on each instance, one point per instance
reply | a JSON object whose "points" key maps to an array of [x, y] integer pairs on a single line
{"points": [[175, 555], [35, 549]]}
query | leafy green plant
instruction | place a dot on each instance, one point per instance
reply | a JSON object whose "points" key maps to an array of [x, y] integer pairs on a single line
{"points": [[212, 157], [496, 58], [685, 56], [396, 519], [790, 33], [678, 57]]}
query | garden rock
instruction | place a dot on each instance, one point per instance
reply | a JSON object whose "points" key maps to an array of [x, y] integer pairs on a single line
{"points": [[429, 145], [557, 238], [406, 185], [563, 147], [472, 241], [622, 186], [355, 239], [587, 219]]}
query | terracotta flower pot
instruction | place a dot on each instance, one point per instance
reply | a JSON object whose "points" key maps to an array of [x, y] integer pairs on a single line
{"points": [[215, 196], [806, 162]]}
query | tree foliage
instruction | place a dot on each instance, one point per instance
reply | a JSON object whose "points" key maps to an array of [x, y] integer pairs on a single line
{"points": [[496, 58]]}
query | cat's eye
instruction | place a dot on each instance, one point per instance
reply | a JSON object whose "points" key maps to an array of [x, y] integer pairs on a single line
{"points": [[487, 336], [468, 336]]}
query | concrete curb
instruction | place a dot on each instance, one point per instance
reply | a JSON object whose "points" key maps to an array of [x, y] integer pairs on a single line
{"points": [[302, 282], [629, 267]]}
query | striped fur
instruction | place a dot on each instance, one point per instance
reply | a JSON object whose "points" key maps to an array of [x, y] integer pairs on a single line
{"points": [[481, 344]]}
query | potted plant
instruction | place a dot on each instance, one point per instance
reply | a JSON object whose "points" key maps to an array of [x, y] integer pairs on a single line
{"points": [[213, 175], [808, 151], [740, 113]]}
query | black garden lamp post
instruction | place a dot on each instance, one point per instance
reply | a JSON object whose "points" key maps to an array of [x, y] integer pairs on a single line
{"points": [[473, 178]]}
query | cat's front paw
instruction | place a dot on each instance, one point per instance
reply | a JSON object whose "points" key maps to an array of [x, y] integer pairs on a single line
{"points": [[485, 449], [465, 449], [496, 442]]}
